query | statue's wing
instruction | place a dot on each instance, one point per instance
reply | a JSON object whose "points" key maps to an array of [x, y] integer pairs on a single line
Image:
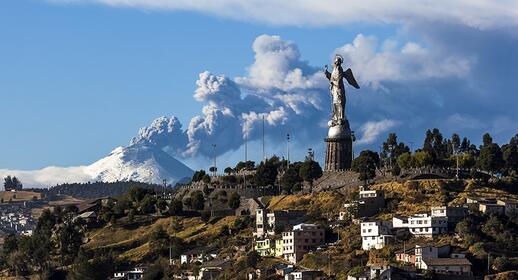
{"points": [[348, 74]]}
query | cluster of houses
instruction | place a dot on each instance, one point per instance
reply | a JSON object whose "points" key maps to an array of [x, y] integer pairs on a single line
{"points": [[440, 220], [16, 218], [282, 234], [494, 206]]}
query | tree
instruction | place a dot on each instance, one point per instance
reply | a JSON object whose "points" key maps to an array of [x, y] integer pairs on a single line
{"points": [[435, 145], [161, 204], [392, 149], [229, 170], [466, 160], [234, 201], [198, 175], [175, 207], [422, 159], [510, 156], [266, 173], [248, 165], [99, 267], [486, 140], [137, 194], [365, 164], [12, 183], [310, 170], [147, 206], [154, 272], [405, 160], [490, 158], [70, 240], [159, 240], [197, 200], [290, 178]]}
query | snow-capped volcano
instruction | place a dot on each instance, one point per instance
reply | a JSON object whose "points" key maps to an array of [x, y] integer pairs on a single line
{"points": [[142, 163], [139, 163]]}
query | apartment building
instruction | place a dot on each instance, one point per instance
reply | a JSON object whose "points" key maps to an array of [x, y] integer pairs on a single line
{"points": [[375, 234], [300, 240]]}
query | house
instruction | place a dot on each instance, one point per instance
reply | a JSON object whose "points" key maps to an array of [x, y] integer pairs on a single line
{"points": [[370, 202], [381, 272], [375, 234], [211, 269], [416, 255], [458, 266], [453, 213], [282, 269], [423, 252], [422, 224], [406, 256], [200, 255], [261, 273], [268, 221], [305, 275], [136, 273], [491, 208], [510, 206], [300, 240], [265, 247], [88, 217]]}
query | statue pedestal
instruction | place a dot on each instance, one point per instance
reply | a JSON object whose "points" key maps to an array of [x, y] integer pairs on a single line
{"points": [[339, 148]]}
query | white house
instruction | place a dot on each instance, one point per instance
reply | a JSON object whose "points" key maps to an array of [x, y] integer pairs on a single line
{"points": [[305, 275], [459, 266], [375, 234], [136, 273], [198, 255], [422, 224]]}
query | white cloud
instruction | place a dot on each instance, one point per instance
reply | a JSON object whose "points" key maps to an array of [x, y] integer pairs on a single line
{"points": [[49, 176], [482, 14], [373, 129], [412, 62]]}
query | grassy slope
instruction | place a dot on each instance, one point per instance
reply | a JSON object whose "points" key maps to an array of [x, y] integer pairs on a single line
{"points": [[132, 239], [19, 195]]}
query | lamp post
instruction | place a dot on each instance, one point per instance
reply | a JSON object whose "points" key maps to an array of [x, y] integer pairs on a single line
{"points": [[214, 170], [287, 151]]}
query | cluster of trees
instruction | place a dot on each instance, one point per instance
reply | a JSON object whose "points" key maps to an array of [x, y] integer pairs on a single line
{"points": [[56, 234], [269, 172], [491, 234], [439, 152], [12, 183], [98, 189]]}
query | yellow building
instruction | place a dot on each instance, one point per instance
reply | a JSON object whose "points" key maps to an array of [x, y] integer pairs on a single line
{"points": [[265, 247], [279, 248]]}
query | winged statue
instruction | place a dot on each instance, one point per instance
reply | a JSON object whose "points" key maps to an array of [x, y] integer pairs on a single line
{"points": [[337, 89]]}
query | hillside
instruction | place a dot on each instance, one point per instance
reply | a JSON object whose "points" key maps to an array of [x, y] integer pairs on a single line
{"points": [[18, 196]]}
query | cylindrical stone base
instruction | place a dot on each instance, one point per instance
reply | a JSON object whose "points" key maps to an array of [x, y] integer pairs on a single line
{"points": [[338, 154]]}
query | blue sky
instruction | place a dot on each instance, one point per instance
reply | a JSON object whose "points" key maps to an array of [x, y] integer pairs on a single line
{"points": [[78, 79]]}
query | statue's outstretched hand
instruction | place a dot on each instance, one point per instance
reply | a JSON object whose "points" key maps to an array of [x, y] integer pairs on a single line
{"points": [[325, 67]]}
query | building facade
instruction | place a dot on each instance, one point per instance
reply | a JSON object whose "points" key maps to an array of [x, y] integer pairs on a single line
{"points": [[300, 240], [375, 234]]}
